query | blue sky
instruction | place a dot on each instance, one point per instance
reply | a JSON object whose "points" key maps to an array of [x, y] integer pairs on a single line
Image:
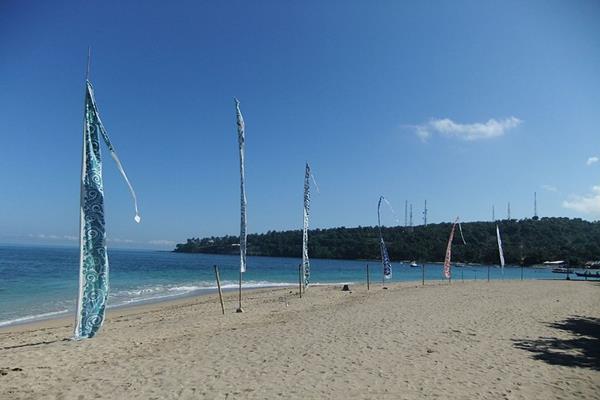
{"points": [[465, 104]]}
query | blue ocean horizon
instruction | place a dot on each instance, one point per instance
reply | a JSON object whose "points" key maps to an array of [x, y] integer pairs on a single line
{"points": [[39, 282]]}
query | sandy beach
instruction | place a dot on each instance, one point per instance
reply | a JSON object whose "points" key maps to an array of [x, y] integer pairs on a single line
{"points": [[472, 340]]}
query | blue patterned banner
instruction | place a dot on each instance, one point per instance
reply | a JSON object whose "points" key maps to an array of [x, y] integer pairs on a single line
{"points": [[305, 260], [93, 265], [385, 260], [241, 141]]}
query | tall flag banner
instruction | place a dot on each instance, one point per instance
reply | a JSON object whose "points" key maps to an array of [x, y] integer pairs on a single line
{"points": [[447, 260], [93, 259], [385, 260], [305, 261], [500, 248], [241, 142]]}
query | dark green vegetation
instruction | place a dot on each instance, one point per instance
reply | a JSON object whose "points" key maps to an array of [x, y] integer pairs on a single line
{"points": [[574, 240]]}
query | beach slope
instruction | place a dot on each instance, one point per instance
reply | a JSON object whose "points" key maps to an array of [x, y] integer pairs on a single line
{"points": [[472, 340]]}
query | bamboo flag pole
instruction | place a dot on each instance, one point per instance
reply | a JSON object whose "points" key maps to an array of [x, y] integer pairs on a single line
{"points": [[89, 60], [87, 78], [521, 270], [522, 260], [219, 287], [240, 309], [300, 280], [368, 279]]}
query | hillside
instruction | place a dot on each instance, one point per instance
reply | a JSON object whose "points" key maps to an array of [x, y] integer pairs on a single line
{"points": [[534, 241]]}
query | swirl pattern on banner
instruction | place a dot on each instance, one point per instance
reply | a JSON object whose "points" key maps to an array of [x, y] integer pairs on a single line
{"points": [[241, 127], [385, 259], [305, 260], [94, 258], [93, 268]]}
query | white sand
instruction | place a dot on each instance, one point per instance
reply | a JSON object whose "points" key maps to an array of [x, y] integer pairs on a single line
{"points": [[472, 340]]}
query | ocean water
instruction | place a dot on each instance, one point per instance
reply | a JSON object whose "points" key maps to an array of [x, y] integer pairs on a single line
{"points": [[41, 282]]}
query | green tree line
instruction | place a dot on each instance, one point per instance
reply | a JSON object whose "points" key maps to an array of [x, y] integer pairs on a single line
{"points": [[530, 241]]}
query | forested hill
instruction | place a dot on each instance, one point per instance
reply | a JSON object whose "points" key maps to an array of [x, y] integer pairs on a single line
{"points": [[536, 241]]}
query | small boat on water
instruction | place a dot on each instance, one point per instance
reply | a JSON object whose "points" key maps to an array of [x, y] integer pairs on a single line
{"points": [[559, 267], [562, 270], [588, 274], [592, 265], [414, 264]]}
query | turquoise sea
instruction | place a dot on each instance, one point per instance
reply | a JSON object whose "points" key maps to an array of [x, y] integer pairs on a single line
{"points": [[41, 282]]}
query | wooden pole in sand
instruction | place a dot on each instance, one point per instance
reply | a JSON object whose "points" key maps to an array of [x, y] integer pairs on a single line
{"points": [[368, 279], [488, 272], [240, 309], [462, 276], [521, 271], [522, 260], [219, 287], [300, 280], [423, 274]]}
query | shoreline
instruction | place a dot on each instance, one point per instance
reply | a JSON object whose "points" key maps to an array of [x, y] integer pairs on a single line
{"points": [[211, 297], [126, 309], [64, 315], [70, 314], [158, 304]]}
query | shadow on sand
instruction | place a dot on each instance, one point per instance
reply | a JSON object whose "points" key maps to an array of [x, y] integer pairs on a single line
{"points": [[582, 350]]}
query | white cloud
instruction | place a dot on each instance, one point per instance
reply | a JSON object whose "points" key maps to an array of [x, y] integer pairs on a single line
{"points": [[47, 236], [118, 240], [475, 131], [550, 188], [162, 242], [591, 160], [588, 204], [423, 133]]}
